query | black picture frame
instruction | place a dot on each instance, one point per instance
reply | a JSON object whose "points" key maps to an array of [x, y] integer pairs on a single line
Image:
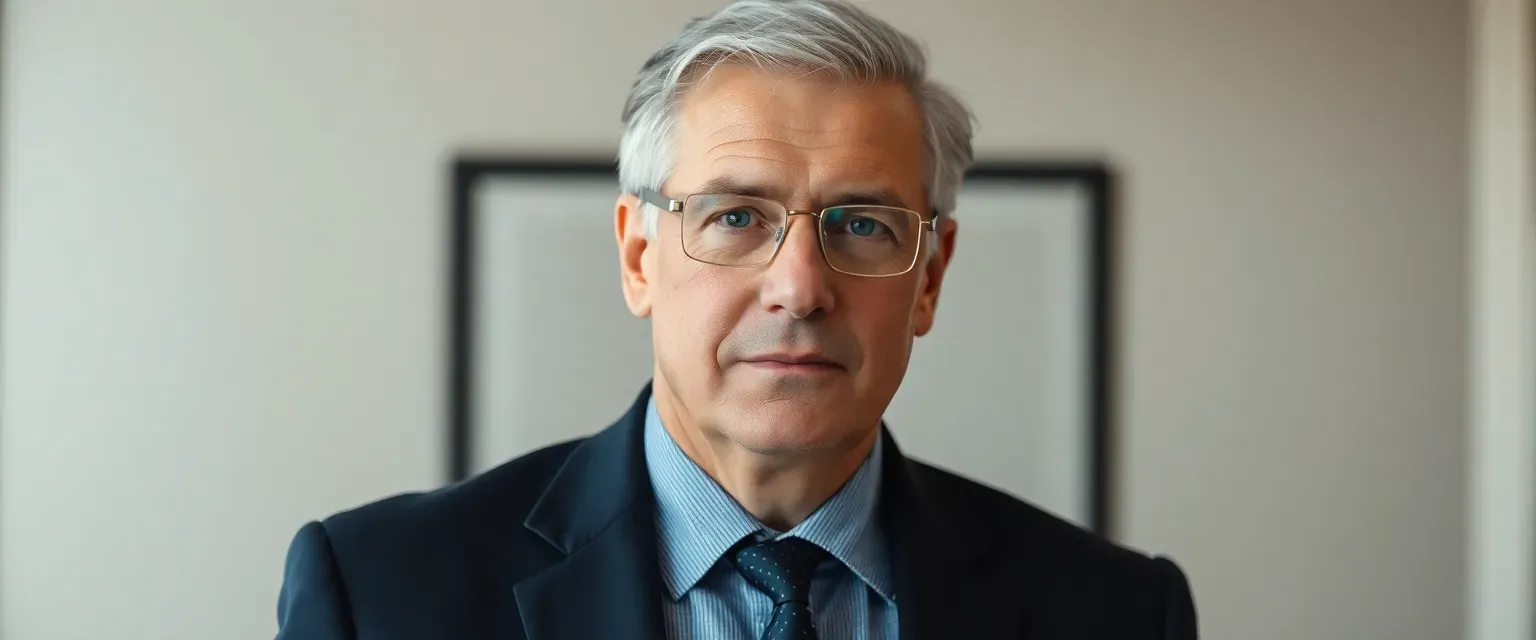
{"points": [[1095, 178]]}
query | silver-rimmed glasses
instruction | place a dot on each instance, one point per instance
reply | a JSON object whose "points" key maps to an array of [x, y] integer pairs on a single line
{"points": [[744, 231]]}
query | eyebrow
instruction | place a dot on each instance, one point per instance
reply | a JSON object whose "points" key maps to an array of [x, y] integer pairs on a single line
{"points": [[879, 196]]}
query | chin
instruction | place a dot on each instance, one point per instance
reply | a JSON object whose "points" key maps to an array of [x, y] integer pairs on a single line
{"points": [[785, 426]]}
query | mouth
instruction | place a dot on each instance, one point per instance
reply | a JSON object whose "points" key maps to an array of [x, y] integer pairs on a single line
{"points": [[793, 363]]}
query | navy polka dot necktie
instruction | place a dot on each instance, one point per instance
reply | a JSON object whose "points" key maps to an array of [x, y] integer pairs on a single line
{"points": [[783, 569]]}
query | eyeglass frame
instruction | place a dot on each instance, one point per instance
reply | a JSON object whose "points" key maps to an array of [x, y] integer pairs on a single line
{"points": [[655, 198]]}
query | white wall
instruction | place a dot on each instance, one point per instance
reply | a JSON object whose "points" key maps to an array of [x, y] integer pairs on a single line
{"points": [[1502, 453], [223, 270]]}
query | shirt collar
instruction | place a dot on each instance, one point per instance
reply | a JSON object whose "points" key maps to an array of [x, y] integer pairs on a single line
{"points": [[697, 521]]}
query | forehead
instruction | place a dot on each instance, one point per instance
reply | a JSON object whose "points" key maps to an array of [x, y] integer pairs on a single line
{"points": [[807, 136]]}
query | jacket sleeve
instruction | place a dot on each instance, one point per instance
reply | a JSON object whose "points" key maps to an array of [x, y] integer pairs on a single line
{"points": [[1178, 604], [313, 602]]}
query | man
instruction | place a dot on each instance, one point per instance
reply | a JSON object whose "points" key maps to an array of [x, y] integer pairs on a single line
{"points": [[789, 176]]}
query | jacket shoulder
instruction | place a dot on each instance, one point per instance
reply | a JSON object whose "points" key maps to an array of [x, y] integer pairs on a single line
{"points": [[499, 496], [417, 564], [510, 489], [1081, 579], [427, 535], [1058, 546]]}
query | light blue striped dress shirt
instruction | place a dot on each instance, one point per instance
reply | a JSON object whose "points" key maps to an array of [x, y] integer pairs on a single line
{"points": [[852, 594]]}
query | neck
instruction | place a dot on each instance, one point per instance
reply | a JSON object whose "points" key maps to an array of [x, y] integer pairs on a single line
{"points": [[780, 491]]}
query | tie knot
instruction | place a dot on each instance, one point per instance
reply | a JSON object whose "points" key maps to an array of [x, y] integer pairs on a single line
{"points": [[781, 568]]}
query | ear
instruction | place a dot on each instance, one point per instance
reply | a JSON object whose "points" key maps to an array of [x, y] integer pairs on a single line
{"points": [[933, 276], [629, 230]]}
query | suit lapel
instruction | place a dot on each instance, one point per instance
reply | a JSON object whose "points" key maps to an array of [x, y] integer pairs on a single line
{"points": [[943, 587], [607, 589], [599, 511]]}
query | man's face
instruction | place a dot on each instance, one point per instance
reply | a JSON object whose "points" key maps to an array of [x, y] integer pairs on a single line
{"points": [[790, 356]]}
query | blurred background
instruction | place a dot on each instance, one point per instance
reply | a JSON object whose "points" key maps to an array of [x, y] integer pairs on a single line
{"points": [[223, 258]]}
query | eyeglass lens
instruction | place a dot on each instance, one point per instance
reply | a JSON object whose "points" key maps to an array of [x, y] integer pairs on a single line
{"points": [[732, 230]]}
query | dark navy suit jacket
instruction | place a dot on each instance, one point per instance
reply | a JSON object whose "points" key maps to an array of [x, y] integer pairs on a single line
{"points": [[560, 545]]}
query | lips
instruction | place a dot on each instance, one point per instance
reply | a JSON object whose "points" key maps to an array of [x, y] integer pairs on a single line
{"points": [[793, 360]]}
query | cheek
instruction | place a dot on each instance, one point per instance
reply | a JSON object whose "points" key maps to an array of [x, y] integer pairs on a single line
{"points": [[694, 312], [884, 318]]}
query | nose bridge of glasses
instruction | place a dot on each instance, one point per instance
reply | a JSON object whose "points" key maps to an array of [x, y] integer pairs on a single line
{"points": [[789, 216], [781, 235]]}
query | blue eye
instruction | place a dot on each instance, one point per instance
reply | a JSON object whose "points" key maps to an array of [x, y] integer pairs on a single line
{"points": [[737, 219], [863, 223]]}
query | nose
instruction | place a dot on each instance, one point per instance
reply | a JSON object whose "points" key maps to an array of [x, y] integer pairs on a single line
{"points": [[798, 281]]}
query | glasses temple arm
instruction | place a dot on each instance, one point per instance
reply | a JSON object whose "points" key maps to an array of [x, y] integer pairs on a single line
{"points": [[651, 197]]}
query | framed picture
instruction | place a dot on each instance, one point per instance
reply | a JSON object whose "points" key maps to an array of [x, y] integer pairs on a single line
{"points": [[1011, 388]]}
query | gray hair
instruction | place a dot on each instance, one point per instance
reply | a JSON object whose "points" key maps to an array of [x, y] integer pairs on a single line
{"points": [[809, 35]]}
